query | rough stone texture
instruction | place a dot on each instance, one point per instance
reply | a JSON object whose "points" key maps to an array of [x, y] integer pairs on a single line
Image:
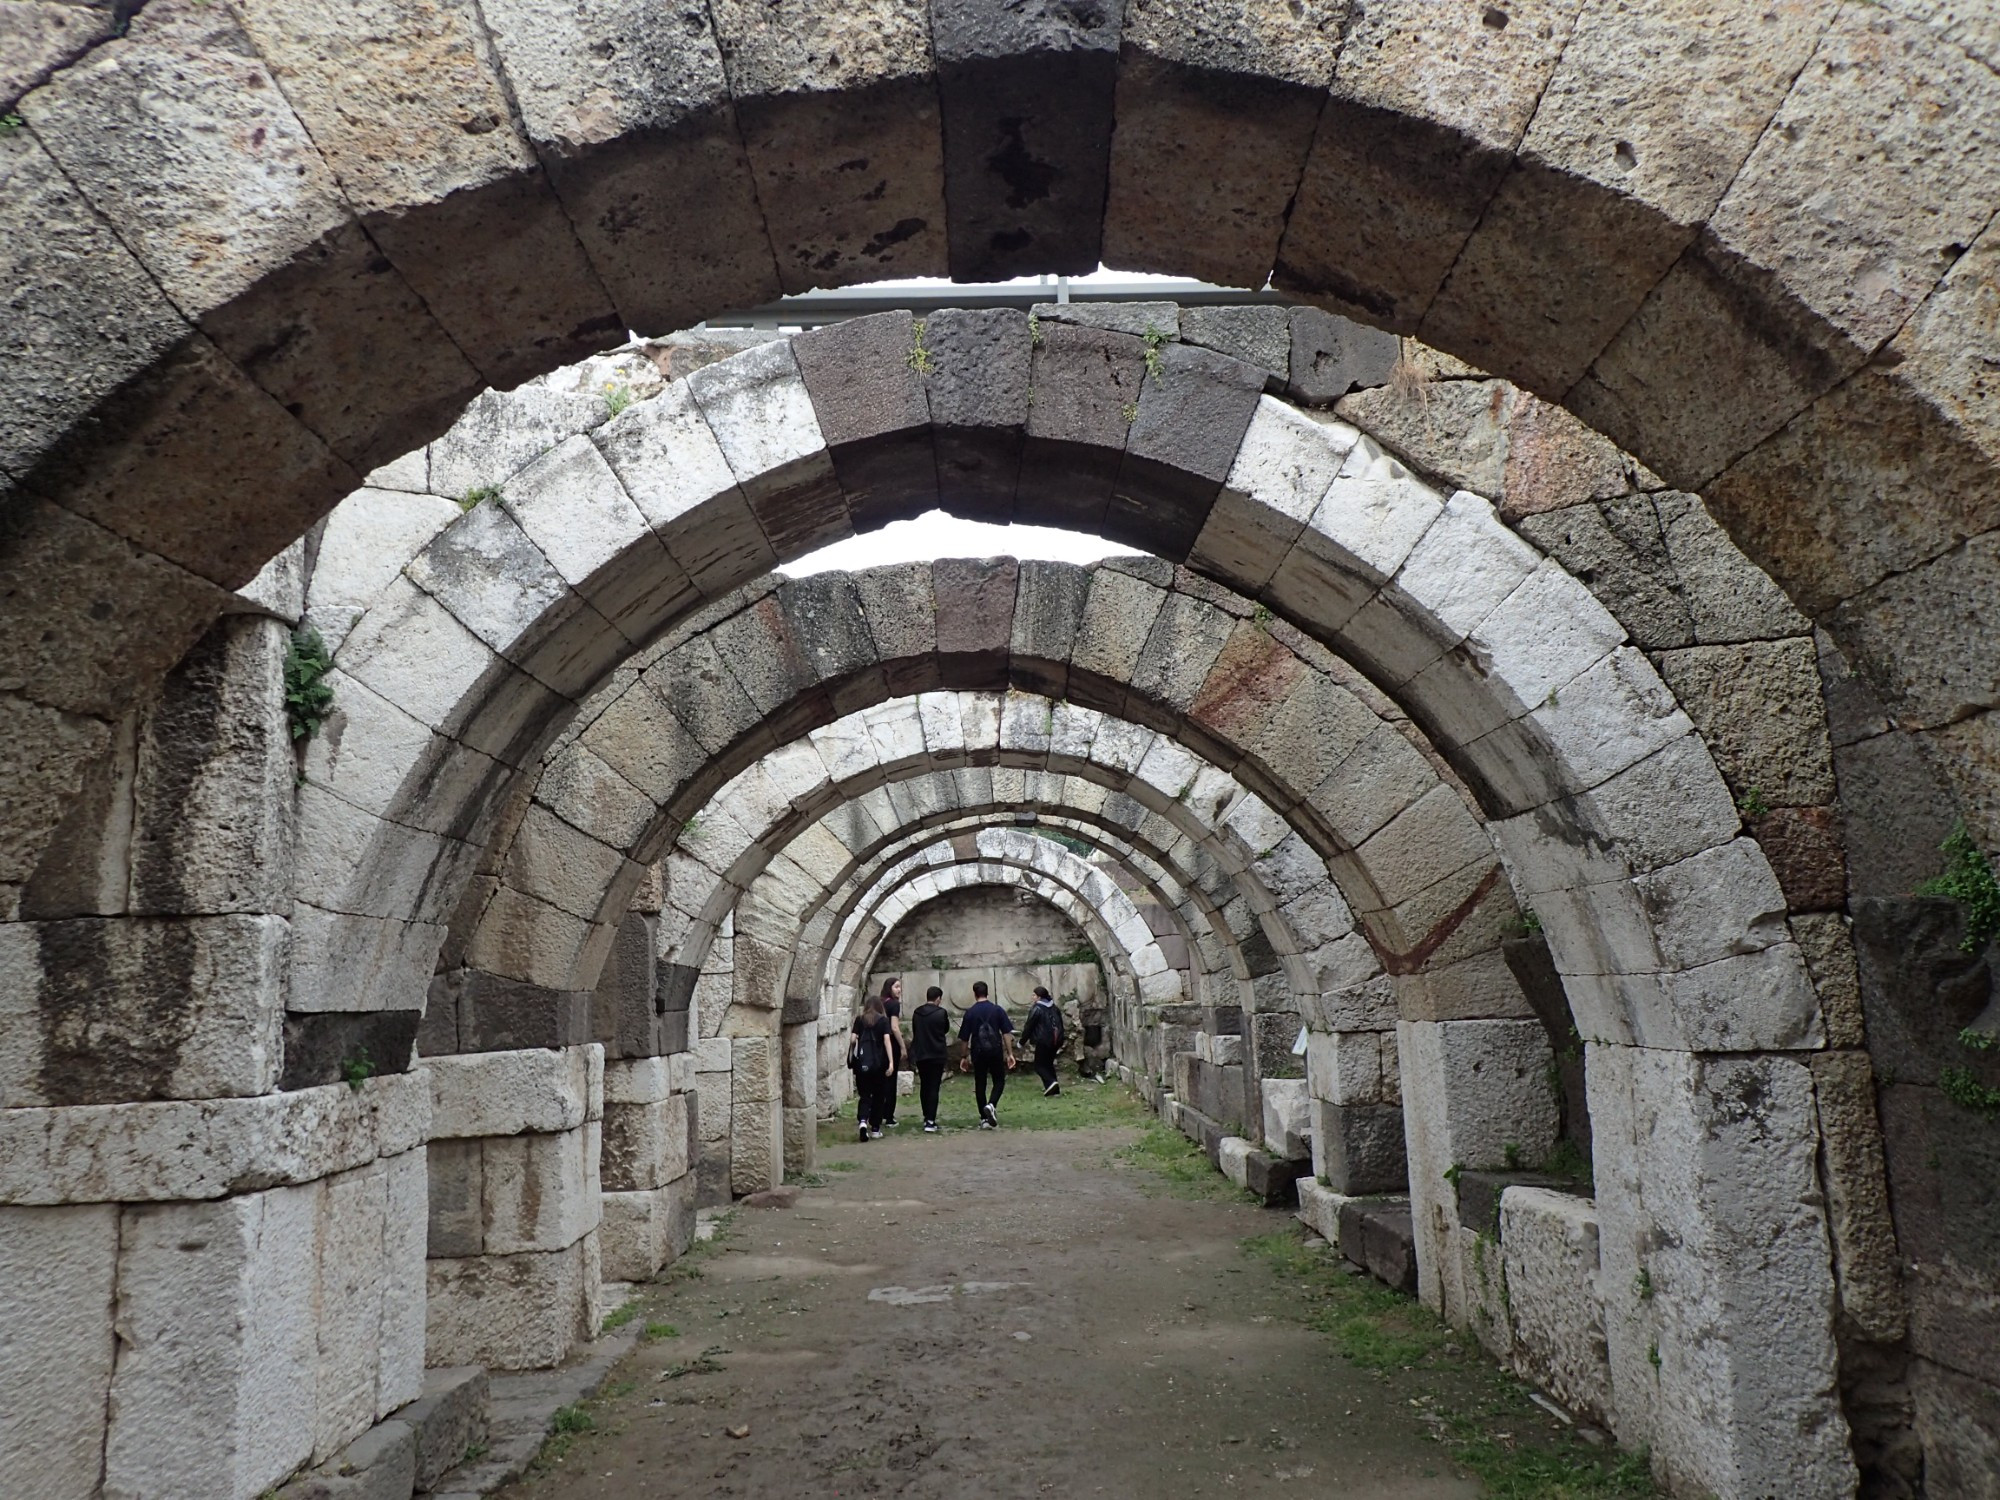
{"points": [[214, 1393], [449, 1418], [1549, 1249], [1331, 355], [816, 92], [644, 1231], [645, 1145], [1864, 1238], [57, 1347], [515, 1093], [1358, 1148], [1026, 93], [512, 1312], [1758, 705]]}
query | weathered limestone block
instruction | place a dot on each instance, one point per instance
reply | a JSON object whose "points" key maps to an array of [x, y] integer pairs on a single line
{"points": [[174, 130], [136, 1153], [1287, 1118], [1345, 1067], [539, 1192], [801, 1130], [1427, 104], [461, 207], [1864, 1236], [378, 1465], [57, 1346], [1359, 1148], [1257, 335], [1758, 705], [1319, 1209], [40, 38], [142, 1008], [1548, 1244], [365, 542], [513, 1312], [1483, 1086], [214, 1390], [756, 1146], [539, 1090], [1282, 471], [645, 1145], [646, 1230], [630, 111], [817, 91], [1216, 107]]}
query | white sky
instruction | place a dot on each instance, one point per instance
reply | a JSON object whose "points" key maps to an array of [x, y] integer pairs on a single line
{"points": [[935, 534]]}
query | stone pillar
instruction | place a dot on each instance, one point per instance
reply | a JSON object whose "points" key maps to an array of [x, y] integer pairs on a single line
{"points": [[255, 1332], [712, 1105], [1717, 1270], [756, 1114], [801, 1095], [1355, 1112], [514, 1276], [648, 1165]]}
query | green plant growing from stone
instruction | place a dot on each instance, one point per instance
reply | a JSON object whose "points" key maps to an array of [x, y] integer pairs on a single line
{"points": [[1130, 411], [1968, 1093], [1752, 803], [1530, 924], [920, 354], [620, 1317], [1154, 338], [9, 124], [1968, 880], [356, 1070], [1261, 617], [308, 695], [1642, 1285], [617, 397], [1653, 1354], [1978, 1041], [1034, 342], [478, 495], [1569, 1161], [1512, 1152]]}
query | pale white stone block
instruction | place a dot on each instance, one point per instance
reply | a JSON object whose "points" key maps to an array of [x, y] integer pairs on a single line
{"points": [[512, 1312], [1345, 1067], [645, 1145], [539, 1192], [133, 1153], [1234, 1159], [533, 1090], [367, 539], [638, 1080], [1545, 634], [1549, 1244], [756, 1146], [1286, 1131], [59, 1268], [1483, 1085], [1319, 1209], [406, 1225], [214, 1389], [1465, 564], [670, 464], [352, 1275], [681, 1072], [756, 405], [1282, 471], [576, 513], [1225, 1050], [1720, 902]]}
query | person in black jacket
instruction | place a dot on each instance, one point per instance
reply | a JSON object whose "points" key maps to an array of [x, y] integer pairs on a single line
{"points": [[930, 1044], [899, 1057], [870, 1055], [1043, 1031]]}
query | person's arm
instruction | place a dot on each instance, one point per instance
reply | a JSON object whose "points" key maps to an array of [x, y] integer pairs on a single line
{"points": [[1007, 1045]]}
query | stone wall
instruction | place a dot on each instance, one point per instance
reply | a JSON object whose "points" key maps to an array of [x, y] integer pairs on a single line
{"points": [[978, 928]]}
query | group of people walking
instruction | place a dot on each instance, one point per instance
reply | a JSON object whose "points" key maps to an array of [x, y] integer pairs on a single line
{"points": [[878, 1050]]}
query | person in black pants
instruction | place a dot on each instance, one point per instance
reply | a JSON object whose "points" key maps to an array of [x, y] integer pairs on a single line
{"points": [[892, 1007], [873, 1060], [1043, 1031], [988, 1035], [930, 1044]]}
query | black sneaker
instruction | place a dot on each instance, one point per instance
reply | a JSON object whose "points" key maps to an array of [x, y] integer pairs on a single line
{"points": [[987, 1124], [1052, 1089], [864, 1132], [989, 1117], [930, 1127]]}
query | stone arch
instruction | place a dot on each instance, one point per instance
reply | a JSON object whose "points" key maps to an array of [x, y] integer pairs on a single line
{"points": [[1492, 136]]}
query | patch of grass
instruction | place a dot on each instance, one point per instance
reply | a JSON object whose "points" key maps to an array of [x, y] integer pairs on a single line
{"points": [[920, 354], [569, 1424], [622, 1316], [479, 494], [1967, 1092], [1079, 1106], [1182, 1167], [1480, 1414], [655, 1331]]}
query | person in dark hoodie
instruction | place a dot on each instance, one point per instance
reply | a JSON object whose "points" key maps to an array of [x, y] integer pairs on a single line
{"points": [[930, 1046], [1043, 1031], [988, 1034]]}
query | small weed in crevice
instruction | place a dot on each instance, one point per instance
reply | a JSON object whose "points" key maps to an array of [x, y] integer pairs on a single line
{"points": [[920, 354], [1968, 880], [1967, 1092], [1154, 338], [478, 495], [1034, 342], [10, 124], [617, 397], [1529, 925], [357, 1070], [308, 695], [619, 1318], [1752, 804], [1130, 412]]}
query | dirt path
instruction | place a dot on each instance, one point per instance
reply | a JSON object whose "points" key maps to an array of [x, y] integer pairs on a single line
{"points": [[1010, 1313], [1000, 1314]]}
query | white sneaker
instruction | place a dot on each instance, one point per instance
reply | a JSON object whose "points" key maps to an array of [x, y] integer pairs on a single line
{"points": [[874, 1135]]}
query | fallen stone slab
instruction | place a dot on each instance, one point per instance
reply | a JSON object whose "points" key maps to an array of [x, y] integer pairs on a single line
{"points": [[1479, 1195], [1377, 1234]]}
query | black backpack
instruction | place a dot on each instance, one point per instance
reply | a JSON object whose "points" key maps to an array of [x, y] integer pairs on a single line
{"points": [[864, 1053], [986, 1040], [1049, 1027]]}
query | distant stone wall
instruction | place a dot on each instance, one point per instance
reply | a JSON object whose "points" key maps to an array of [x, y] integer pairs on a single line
{"points": [[979, 927]]}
